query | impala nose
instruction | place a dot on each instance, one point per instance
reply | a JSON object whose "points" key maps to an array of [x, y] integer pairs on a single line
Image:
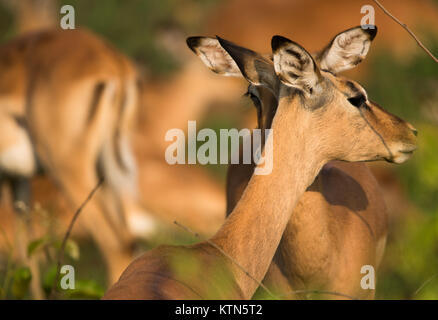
{"points": [[412, 128]]}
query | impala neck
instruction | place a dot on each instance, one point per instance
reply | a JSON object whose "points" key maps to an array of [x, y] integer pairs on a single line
{"points": [[253, 231]]}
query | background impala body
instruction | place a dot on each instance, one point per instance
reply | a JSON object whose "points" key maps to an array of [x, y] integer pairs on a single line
{"points": [[250, 236], [67, 101]]}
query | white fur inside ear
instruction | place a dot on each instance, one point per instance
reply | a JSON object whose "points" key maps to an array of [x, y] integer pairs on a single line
{"points": [[295, 68], [347, 50], [216, 58]]}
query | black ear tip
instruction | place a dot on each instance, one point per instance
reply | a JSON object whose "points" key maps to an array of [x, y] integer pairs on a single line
{"points": [[193, 43], [224, 43], [278, 41], [371, 30], [227, 45]]}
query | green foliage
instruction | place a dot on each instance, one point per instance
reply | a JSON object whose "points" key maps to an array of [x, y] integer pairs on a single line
{"points": [[15, 278], [21, 281], [35, 245], [133, 26], [421, 174], [6, 24], [71, 249], [408, 89], [85, 289], [48, 278]]}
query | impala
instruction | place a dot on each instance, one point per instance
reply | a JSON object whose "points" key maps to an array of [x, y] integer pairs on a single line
{"points": [[340, 222], [67, 101], [330, 127]]}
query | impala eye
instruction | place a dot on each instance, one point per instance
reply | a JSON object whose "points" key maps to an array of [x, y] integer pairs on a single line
{"points": [[357, 101], [253, 97]]}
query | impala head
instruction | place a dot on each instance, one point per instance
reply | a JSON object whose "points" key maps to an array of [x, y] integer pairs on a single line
{"points": [[333, 110]]}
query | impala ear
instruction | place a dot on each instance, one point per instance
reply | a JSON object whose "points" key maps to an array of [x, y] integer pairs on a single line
{"points": [[347, 49], [294, 65], [214, 56], [256, 68]]}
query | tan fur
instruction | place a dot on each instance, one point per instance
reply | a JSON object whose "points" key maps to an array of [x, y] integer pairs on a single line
{"points": [[334, 230], [77, 96], [252, 232]]}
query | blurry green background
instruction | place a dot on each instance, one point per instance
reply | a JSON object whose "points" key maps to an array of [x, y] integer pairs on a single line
{"points": [[407, 87], [411, 256]]}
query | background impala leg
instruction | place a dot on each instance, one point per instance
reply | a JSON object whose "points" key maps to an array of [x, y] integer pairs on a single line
{"points": [[21, 198], [111, 236]]}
